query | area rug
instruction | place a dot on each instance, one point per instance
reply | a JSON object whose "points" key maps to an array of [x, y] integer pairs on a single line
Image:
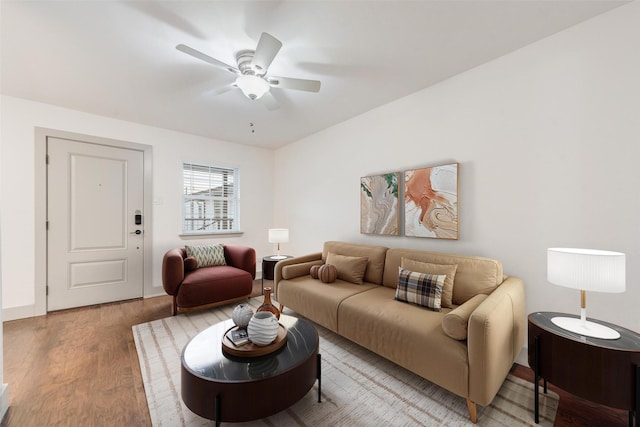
{"points": [[359, 388]]}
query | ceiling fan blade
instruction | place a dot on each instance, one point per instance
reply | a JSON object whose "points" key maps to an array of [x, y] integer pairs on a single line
{"points": [[270, 101], [267, 49], [296, 84], [197, 54]]}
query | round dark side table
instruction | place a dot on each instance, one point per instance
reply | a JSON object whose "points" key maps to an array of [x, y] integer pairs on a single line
{"points": [[269, 265], [600, 370]]}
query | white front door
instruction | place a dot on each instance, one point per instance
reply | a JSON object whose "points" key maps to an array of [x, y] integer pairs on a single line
{"points": [[94, 244]]}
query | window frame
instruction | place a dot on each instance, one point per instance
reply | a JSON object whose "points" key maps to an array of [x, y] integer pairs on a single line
{"points": [[217, 202]]}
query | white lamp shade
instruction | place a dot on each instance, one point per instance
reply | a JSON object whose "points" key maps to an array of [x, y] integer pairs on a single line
{"points": [[586, 269], [278, 235], [252, 86]]}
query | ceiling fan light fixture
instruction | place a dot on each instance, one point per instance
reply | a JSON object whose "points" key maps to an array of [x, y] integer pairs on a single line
{"points": [[252, 86]]}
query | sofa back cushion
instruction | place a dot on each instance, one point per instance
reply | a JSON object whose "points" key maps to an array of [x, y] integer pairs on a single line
{"points": [[349, 268], [375, 258], [474, 275]]}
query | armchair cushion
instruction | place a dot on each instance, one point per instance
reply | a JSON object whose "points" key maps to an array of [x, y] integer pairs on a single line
{"points": [[190, 263], [207, 255]]}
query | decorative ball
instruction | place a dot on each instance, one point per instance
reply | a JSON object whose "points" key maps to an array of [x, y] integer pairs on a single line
{"points": [[263, 328], [241, 315], [328, 273], [314, 271]]}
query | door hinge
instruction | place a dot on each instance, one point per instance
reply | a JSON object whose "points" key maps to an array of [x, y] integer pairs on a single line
{"points": [[47, 160], [47, 290], [47, 225]]}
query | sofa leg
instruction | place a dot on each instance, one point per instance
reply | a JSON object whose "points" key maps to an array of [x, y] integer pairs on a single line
{"points": [[281, 308], [174, 307], [473, 411]]}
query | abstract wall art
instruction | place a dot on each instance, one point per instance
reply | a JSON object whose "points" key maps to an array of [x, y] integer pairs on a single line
{"points": [[379, 205], [431, 202]]}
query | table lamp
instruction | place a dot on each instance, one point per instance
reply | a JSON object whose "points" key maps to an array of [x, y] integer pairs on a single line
{"points": [[278, 235], [586, 270]]}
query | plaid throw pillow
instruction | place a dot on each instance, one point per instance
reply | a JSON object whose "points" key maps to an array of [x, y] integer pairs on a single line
{"points": [[422, 289], [207, 255]]}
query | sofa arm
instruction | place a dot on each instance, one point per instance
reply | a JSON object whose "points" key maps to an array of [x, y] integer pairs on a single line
{"points": [[242, 257], [277, 274], [172, 270], [496, 336]]}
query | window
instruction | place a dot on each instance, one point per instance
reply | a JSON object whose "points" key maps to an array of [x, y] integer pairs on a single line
{"points": [[210, 200]]}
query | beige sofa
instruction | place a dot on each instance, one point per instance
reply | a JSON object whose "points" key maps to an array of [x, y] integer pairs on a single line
{"points": [[488, 331]]}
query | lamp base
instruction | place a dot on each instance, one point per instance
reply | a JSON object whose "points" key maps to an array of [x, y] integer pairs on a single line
{"points": [[586, 327]]}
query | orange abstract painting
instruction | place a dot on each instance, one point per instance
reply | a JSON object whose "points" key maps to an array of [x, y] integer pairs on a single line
{"points": [[431, 202]]}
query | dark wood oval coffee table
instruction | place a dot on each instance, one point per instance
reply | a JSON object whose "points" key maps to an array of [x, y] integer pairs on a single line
{"points": [[222, 387]]}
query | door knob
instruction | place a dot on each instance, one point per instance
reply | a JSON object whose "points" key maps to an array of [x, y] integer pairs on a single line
{"points": [[136, 232]]}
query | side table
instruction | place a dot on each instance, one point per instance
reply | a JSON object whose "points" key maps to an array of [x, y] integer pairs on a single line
{"points": [[603, 371], [269, 265]]}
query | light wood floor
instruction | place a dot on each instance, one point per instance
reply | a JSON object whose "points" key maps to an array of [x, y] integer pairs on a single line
{"points": [[80, 368]]}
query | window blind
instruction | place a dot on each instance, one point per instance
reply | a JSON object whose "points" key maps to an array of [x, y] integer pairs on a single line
{"points": [[210, 198]]}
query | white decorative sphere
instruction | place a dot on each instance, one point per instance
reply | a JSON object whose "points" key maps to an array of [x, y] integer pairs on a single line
{"points": [[263, 328], [241, 315]]}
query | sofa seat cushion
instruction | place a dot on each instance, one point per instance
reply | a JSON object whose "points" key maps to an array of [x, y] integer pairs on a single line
{"points": [[213, 284], [408, 335], [316, 300]]}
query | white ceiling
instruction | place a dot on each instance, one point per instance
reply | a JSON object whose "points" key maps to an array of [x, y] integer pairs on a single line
{"points": [[118, 58]]}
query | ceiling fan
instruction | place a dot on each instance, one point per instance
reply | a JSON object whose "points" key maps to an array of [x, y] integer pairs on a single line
{"points": [[251, 71]]}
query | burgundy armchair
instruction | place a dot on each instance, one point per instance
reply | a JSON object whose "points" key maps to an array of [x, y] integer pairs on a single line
{"points": [[208, 286]]}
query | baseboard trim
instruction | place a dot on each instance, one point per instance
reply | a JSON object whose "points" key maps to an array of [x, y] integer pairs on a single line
{"points": [[159, 293], [26, 311], [21, 312], [523, 357]]}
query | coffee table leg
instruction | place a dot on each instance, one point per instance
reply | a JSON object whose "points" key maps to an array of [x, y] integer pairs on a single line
{"points": [[319, 378], [218, 403]]}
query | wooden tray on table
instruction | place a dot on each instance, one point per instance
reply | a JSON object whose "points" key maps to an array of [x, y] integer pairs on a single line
{"points": [[252, 350]]}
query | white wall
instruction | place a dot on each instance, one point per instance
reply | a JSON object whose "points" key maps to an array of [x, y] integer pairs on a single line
{"points": [[19, 119], [4, 388], [548, 144]]}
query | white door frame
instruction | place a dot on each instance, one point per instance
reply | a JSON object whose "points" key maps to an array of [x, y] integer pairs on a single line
{"points": [[40, 255]]}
